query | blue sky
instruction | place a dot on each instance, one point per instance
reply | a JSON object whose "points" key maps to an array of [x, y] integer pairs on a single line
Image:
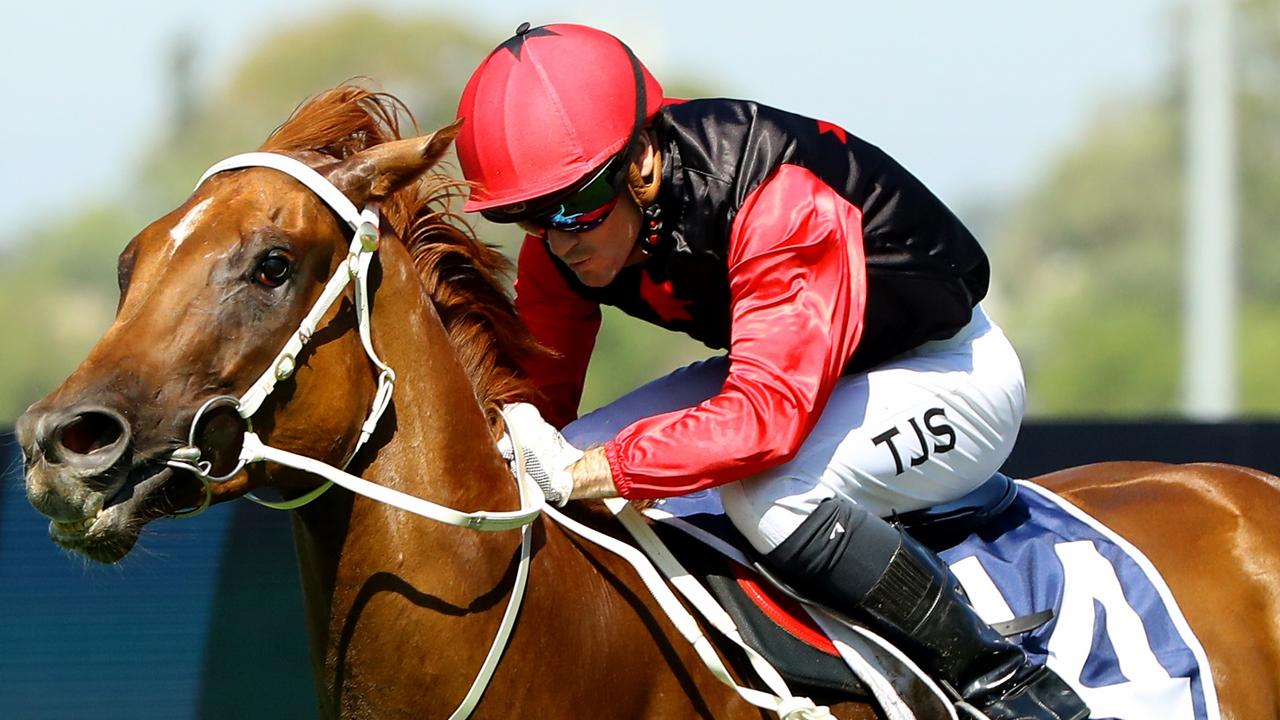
{"points": [[973, 97]]}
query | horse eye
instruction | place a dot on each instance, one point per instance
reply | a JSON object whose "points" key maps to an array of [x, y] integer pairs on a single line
{"points": [[272, 270]]}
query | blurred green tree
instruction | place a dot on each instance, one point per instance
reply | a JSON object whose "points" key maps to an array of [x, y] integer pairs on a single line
{"points": [[59, 278], [58, 287], [1089, 262]]}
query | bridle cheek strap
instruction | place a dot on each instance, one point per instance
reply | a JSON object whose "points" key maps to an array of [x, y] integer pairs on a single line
{"points": [[355, 268], [364, 243]]}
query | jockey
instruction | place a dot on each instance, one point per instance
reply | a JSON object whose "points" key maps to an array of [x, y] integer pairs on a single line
{"points": [[862, 378]]}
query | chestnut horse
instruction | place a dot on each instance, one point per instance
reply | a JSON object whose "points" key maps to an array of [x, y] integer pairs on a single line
{"points": [[400, 609]]}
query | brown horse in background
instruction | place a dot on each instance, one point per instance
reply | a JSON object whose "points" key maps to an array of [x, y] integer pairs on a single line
{"points": [[401, 610]]}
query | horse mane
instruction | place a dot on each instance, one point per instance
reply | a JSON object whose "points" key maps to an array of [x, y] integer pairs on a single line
{"points": [[462, 275]]}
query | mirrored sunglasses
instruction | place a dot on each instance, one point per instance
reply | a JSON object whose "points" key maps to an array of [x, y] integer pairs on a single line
{"points": [[582, 209]]}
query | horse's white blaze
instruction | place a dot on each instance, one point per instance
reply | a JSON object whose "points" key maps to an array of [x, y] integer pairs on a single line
{"points": [[187, 224]]}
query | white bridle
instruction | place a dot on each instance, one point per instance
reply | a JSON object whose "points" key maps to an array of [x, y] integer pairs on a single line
{"points": [[355, 267]]}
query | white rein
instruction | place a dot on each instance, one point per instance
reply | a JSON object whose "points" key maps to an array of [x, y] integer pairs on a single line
{"points": [[355, 268]]}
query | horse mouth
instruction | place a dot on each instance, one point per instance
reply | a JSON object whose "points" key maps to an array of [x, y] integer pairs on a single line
{"points": [[110, 533]]}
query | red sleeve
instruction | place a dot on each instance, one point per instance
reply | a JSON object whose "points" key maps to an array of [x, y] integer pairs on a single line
{"points": [[562, 321], [797, 280]]}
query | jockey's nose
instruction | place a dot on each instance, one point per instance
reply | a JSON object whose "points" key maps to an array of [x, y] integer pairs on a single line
{"points": [[91, 439], [560, 243]]}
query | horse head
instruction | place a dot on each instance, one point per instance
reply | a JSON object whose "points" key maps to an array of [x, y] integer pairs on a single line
{"points": [[207, 293]]}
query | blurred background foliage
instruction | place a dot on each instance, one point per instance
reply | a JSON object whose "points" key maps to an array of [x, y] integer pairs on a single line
{"points": [[1087, 260], [60, 277]]}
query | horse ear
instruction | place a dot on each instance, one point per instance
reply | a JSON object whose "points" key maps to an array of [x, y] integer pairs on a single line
{"points": [[381, 170]]}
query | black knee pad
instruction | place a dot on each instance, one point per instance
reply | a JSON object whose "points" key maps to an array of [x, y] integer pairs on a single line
{"points": [[837, 553]]}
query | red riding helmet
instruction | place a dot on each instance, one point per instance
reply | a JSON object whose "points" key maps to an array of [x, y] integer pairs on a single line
{"points": [[547, 107]]}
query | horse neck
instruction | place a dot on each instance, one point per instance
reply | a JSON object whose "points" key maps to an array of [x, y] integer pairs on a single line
{"points": [[401, 608], [433, 443]]}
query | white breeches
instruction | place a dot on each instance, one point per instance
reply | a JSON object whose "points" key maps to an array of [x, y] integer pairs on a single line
{"points": [[921, 429]]}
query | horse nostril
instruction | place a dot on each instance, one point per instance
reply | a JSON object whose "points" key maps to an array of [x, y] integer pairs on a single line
{"points": [[88, 432]]}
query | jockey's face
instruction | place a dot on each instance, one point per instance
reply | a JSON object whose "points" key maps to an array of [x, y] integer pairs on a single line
{"points": [[598, 255]]}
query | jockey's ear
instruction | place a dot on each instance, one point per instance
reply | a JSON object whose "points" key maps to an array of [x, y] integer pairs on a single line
{"points": [[375, 173]]}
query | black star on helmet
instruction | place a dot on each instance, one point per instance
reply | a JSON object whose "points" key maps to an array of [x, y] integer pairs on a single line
{"points": [[524, 32]]}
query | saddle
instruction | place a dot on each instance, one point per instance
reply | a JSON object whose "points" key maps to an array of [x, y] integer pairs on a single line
{"points": [[777, 627], [1079, 598]]}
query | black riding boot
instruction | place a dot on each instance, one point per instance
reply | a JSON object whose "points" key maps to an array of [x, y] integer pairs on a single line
{"points": [[861, 566]]}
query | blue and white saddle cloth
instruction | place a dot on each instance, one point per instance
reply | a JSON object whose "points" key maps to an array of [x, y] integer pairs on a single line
{"points": [[1117, 635]]}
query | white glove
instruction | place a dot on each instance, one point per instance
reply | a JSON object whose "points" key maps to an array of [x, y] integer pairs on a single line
{"points": [[547, 455]]}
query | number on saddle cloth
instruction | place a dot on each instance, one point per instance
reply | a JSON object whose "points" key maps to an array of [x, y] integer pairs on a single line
{"points": [[1118, 637]]}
